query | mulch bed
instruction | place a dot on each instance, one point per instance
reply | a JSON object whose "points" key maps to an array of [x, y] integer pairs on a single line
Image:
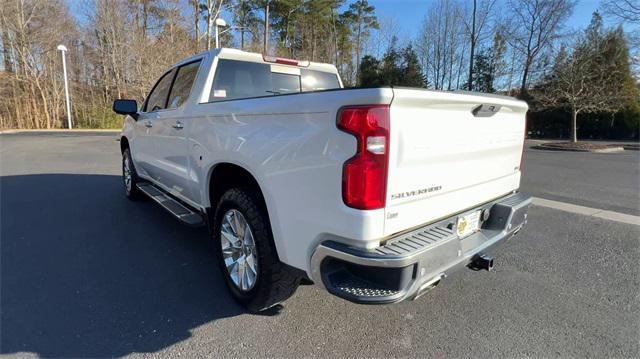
{"points": [[630, 147], [577, 145]]}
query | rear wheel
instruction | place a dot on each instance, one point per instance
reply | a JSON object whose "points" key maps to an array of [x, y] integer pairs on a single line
{"points": [[248, 259], [129, 176], [239, 250]]}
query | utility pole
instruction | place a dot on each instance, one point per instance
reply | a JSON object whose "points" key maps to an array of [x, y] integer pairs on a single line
{"points": [[266, 27], [63, 49]]}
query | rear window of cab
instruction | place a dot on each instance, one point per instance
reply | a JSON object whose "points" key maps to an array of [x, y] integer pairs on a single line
{"points": [[240, 80]]}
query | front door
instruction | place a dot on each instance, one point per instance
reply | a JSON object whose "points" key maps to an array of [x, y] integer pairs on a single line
{"points": [[153, 109]]}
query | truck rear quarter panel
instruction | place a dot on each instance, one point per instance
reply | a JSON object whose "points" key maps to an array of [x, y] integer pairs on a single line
{"points": [[292, 147]]}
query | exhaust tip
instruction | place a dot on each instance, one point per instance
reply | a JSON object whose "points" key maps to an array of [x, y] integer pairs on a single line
{"points": [[428, 286], [482, 261]]}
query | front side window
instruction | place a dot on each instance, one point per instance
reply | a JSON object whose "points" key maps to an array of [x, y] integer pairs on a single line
{"points": [[239, 79], [157, 99], [182, 84]]}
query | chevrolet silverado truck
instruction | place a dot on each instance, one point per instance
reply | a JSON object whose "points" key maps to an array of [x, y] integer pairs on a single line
{"points": [[375, 194]]}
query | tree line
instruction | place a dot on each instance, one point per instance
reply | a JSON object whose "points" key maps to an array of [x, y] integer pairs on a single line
{"points": [[118, 48]]}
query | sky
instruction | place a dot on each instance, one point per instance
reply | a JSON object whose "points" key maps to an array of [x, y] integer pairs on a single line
{"points": [[407, 15], [410, 13]]}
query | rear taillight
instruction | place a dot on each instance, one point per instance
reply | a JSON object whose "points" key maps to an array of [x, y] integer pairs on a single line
{"points": [[364, 176]]}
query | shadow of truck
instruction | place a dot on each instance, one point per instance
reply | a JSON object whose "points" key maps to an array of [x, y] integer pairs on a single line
{"points": [[87, 273]]}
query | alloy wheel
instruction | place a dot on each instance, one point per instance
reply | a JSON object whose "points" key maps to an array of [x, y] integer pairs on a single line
{"points": [[239, 250]]}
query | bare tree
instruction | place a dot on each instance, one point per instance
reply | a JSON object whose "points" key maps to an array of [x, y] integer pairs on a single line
{"points": [[476, 29], [196, 24], [381, 40], [536, 26], [587, 78], [32, 29], [628, 12], [213, 8], [440, 44]]}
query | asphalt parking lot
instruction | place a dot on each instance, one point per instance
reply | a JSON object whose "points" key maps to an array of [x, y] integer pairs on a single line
{"points": [[86, 273]]}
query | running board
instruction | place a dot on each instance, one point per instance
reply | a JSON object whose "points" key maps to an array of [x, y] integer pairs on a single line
{"points": [[183, 213]]}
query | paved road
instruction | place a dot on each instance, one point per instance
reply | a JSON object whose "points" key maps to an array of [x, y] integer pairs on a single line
{"points": [[601, 180], [84, 272]]}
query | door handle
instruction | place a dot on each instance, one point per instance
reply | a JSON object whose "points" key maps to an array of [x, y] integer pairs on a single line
{"points": [[178, 125], [148, 124]]}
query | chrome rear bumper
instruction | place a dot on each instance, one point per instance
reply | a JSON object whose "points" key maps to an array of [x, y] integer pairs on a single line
{"points": [[409, 263]]}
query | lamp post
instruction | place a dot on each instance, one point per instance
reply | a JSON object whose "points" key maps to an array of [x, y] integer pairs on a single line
{"points": [[219, 23], [64, 50]]}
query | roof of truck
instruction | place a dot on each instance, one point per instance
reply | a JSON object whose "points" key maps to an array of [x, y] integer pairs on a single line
{"points": [[235, 54]]}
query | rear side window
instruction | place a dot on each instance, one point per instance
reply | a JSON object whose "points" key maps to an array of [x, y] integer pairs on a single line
{"points": [[157, 99], [318, 80], [236, 79], [182, 84], [239, 79]]}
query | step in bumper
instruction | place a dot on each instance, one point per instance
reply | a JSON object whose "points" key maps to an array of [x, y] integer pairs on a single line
{"points": [[409, 263]]}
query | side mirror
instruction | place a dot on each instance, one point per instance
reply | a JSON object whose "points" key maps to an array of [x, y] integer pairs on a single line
{"points": [[126, 107]]}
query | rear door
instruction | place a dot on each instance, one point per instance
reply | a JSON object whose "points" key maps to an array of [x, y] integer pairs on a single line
{"points": [[450, 152], [170, 131]]}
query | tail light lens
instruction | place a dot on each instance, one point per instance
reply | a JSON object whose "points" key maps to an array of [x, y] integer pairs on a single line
{"points": [[364, 176]]}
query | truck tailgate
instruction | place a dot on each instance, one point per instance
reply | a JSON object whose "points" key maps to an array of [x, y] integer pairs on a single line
{"points": [[450, 152]]}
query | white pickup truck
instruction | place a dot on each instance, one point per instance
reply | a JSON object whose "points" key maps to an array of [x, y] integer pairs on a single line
{"points": [[376, 194]]}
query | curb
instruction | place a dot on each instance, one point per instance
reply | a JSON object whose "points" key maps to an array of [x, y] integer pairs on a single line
{"points": [[587, 211], [598, 150], [80, 130]]}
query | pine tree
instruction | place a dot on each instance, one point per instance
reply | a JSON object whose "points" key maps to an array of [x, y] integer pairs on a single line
{"points": [[390, 71], [245, 18], [369, 72], [363, 19], [484, 74], [411, 73]]}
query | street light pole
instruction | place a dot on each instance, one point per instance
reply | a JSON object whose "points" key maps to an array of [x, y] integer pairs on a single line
{"points": [[217, 35], [63, 49], [219, 22]]}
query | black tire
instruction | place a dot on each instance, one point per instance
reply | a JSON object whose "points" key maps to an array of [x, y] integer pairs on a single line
{"points": [[275, 281], [131, 191]]}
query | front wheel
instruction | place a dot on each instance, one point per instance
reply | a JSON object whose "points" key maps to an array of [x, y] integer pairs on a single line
{"points": [[129, 176], [248, 259]]}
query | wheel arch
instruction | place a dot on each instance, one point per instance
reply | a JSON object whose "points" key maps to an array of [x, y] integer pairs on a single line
{"points": [[224, 176], [124, 144]]}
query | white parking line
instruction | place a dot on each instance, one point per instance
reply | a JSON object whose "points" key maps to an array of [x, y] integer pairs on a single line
{"points": [[587, 211]]}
